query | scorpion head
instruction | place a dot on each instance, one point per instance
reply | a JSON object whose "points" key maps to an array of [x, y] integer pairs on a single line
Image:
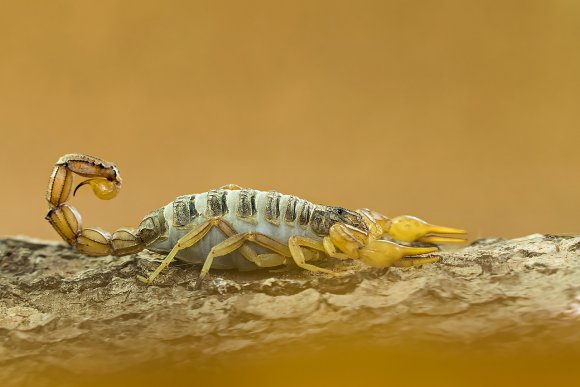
{"points": [[352, 218], [324, 217]]}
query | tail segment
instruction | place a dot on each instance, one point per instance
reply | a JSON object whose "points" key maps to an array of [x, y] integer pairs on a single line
{"points": [[105, 180]]}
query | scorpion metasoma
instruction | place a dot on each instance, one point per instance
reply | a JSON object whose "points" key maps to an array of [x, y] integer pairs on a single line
{"points": [[238, 228]]}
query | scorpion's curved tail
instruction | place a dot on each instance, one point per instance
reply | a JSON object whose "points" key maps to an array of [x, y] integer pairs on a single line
{"points": [[105, 180]]}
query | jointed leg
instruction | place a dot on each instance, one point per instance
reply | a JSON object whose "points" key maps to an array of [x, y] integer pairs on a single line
{"points": [[229, 232], [193, 237], [270, 260], [296, 243], [237, 241], [184, 242], [261, 260], [331, 251]]}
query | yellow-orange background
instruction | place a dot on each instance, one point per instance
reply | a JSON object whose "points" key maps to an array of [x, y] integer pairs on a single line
{"points": [[465, 113]]}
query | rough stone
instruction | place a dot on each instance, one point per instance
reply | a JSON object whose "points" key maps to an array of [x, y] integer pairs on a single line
{"points": [[60, 309]]}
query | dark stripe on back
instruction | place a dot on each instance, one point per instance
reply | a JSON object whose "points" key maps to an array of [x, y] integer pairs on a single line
{"points": [[290, 213], [192, 210], [181, 211], [246, 204], [216, 203], [304, 216], [320, 221], [272, 210]]}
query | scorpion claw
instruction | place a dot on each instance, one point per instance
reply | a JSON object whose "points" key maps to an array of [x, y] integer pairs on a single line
{"points": [[440, 239], [410, 229], [384, 253]]}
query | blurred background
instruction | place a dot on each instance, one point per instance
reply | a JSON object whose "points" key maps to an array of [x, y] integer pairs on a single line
{"points": [[463, 113]]}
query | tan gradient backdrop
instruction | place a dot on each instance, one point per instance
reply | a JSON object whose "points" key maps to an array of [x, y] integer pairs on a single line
{"points": [[464, 113]]}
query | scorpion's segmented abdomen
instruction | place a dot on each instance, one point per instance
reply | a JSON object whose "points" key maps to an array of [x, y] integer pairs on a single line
{"points": [[152, 227], [246, 208], [290, 213], [272, 209], [305, 211], [216, 203], [184, 211]]}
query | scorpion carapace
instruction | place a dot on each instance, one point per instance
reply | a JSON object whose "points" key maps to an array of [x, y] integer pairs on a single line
{"points": [[235, 227]]}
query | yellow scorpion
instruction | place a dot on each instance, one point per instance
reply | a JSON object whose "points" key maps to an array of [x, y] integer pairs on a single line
{"points": [[238, 228]]}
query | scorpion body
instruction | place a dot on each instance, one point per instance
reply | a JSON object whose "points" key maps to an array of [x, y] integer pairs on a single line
{"points": [[238, 228], [246, 210]]}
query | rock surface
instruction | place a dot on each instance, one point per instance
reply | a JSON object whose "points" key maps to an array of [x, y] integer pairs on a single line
{"points": [[65, 311]]}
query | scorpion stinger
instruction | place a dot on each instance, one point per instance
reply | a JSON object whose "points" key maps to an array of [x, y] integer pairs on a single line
{"points": [[106, 181]]}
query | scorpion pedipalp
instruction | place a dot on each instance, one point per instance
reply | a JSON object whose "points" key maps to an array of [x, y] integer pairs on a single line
{"points": [[358, 244], [384, 254], [410, 229]]}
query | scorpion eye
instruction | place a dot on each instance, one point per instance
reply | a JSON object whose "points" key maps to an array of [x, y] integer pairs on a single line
{"points": [[340, 211]]}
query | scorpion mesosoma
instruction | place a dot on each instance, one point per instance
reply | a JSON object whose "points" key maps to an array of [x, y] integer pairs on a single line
{"points": [[238, 228]]}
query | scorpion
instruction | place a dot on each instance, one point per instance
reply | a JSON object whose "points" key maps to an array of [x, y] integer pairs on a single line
{"points": [[239, 228]]}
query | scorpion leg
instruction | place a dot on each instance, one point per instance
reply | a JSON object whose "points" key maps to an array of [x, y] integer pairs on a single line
{"points": [[296, 243], [184, 242], [263, 260], [270, 260], [193, 237], [248, 253], [237, 241], [331, 251]]}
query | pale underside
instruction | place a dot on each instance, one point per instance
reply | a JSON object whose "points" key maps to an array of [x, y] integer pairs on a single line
{"points": [[196, 254]]}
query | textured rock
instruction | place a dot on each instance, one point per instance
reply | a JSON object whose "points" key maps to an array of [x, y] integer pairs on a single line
{"points": [[60, 309]]}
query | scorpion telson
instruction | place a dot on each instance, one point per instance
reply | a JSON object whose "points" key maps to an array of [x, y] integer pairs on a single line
{"points": [[238, 228]]}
